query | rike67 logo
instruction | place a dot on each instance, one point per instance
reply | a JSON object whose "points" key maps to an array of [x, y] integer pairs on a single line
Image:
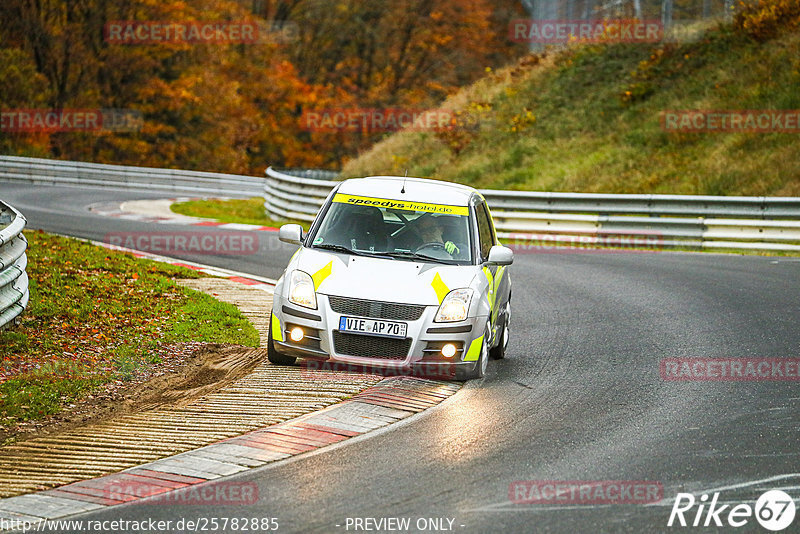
{"points": [[774, 510]]}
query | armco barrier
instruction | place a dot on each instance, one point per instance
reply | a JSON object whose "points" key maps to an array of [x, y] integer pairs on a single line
{"points": [[297, 196], [73, 173], [759, 223], [13, 279], [713, 222]]}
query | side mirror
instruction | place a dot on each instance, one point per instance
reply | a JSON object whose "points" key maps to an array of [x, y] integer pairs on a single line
{"points": [[500, 255], [291, 233]]}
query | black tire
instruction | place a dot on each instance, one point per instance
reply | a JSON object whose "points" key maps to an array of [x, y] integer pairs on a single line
{"points": [[276, 357], [499, 352]]}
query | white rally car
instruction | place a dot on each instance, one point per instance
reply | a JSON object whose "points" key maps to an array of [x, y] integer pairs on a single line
{"points": [[397, 273]]}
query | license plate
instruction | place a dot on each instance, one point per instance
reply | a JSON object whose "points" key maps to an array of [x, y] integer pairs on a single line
{"points": [[372, 326]]}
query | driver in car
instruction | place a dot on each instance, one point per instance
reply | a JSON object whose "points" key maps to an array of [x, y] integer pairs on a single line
{"points": [[430, 231]]}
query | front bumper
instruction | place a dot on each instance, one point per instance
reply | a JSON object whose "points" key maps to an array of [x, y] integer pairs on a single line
{"points": [[419, 352]]}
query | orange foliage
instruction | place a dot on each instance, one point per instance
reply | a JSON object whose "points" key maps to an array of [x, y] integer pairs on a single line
{"points": [[236, 107], [763, 19]]}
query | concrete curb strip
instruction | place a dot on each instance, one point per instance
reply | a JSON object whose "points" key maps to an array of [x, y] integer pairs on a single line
{"points": [[260, 282], [157, 211], [389, 401]]}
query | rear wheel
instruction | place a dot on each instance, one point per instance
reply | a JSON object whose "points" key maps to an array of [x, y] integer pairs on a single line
{"points": [[276, 357], [499, 352]]}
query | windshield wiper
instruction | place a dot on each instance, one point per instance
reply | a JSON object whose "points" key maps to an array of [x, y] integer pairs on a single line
{"points": [[415, 256], [402, 254], [339, 248]]}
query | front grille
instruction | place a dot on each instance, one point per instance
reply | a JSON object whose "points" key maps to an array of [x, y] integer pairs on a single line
{"points": [[376, 309], [371, 346]]}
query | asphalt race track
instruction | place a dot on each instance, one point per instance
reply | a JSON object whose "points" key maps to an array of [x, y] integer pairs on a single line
{"points": [[579, 397], [63, 210]]}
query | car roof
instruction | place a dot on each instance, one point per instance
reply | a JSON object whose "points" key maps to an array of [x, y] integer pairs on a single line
{"points": [[416, 189]]}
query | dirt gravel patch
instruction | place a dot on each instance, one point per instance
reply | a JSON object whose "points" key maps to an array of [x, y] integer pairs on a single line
{"points": [[193, 370]]}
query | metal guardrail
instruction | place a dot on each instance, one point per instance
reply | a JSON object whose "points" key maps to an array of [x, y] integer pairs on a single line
{"points": [[72, 173], [759, 223], [14, 292], [297, 196], [713, 222]]}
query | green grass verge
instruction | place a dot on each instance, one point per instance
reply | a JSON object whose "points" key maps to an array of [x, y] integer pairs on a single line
{"points": [[97, 316], [243, 211]]}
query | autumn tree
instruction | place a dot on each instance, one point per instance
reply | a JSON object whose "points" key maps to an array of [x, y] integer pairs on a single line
{"points": [[237, 107]]}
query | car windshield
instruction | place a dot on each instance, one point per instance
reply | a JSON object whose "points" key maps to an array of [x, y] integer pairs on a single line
{"points": [[400, 230]]}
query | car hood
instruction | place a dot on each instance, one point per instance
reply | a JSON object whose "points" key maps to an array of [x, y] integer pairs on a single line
{"points": [[387, 280]]}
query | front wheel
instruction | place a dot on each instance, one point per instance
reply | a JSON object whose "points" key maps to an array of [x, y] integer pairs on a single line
{"points": [[480, 366], [276, 357], [499, 352]]}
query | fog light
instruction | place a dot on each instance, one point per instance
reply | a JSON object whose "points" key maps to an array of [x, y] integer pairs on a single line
{"points": [[449, 350], [296, 334]]}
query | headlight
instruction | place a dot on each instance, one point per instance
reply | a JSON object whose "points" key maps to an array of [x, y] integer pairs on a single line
{"points": [[301, 290], [454, 307]]}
